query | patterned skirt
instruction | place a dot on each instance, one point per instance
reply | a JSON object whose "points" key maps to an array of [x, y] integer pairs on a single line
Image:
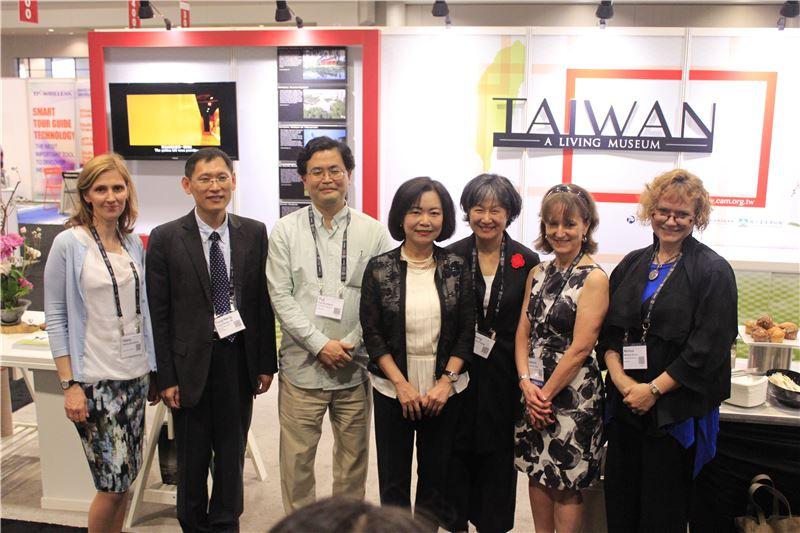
{"points": [[113, 433], [566, 454]]}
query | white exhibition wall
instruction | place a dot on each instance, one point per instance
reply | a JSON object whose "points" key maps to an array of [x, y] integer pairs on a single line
{"points": [[254, 69], [437, 119]]}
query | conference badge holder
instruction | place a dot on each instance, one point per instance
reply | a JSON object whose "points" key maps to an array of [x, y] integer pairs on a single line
{"points": [[483, 345], [634, 357], [536, 370], [329, 307], [131, 345], [228, 324]]}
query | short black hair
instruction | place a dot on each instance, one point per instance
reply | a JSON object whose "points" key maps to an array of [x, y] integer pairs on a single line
{"points": [[408, 195], [205, 154], [320, 144], [491, 186]]}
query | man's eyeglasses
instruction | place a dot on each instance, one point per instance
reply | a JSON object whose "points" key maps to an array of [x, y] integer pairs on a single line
{"points": [[334, 173], [205, 181], [663, 215]]}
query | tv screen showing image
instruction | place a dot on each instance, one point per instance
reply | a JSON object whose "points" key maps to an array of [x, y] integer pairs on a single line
{"points": [[173, 120]]}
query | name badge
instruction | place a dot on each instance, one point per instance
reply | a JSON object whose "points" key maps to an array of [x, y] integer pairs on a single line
{"points": [[634, 357], [536, 370], [131, 345], [329, 307], [483, 345], [228, 324]]}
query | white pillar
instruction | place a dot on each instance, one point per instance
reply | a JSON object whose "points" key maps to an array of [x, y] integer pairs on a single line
{"points": [[395, 14]]}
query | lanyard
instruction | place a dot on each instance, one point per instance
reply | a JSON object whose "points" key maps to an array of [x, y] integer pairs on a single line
{"points": [[539, 296], [646, 321], [114, 280], [500, 271], [343, 275]]}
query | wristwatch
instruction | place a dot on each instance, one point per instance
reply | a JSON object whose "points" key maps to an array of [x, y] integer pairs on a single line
{"points": [[67, 383], [654, 389], [453, 376]]}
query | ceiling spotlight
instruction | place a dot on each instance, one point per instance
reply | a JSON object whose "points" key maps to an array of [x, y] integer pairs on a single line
{"points": [[790, 9], [299, 22], [440, 9], [282, 12], [145, 10], [605, 11]]}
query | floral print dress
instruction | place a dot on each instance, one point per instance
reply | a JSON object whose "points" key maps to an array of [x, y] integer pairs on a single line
{"points": [[566, 454]]}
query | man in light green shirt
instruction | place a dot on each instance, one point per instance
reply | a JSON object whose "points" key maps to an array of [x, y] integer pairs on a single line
{"points": [[317, 257]]}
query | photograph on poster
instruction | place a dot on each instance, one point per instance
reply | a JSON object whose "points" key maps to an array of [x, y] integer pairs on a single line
{"points": [[310, 65], [326, 104], [172, 120], [292, 138]]}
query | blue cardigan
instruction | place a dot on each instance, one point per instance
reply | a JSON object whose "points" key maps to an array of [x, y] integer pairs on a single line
{"points": [[64, 308]]}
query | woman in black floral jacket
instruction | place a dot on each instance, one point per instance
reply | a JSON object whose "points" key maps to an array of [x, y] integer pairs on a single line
{"points": [[417, 316]]}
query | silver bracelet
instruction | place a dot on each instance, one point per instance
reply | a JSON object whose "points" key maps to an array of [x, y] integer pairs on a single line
{"points": [[523, 376]]}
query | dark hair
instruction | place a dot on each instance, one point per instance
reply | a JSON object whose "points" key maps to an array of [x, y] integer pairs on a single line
{"points": [[320, 144], [205, 154], [93, 169], [491, 186], [574, 200], [347, 515], [408, 195]]}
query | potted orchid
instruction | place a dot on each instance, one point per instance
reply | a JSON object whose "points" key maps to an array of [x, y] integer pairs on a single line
{"points": [[16, 255]]}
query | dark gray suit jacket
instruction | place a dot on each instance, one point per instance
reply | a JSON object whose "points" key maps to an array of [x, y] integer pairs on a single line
{"points": [[181, 308]]}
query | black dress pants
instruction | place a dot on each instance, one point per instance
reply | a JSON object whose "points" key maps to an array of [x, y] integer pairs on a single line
{"points": [[219, 423], [485, 485], [648, 481], [394, 439]]}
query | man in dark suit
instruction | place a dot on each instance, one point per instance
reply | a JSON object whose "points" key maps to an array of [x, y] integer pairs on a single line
{"points": [[214, 335]]}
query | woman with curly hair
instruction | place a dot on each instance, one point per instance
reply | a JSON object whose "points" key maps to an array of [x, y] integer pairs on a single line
{"points": [[666, 343]]}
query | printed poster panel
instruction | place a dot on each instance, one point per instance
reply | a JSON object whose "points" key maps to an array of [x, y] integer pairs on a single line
{"points": [[53, 132], [83, 104]]}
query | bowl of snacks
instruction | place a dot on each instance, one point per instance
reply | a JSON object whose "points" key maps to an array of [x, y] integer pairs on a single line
{"points": [[784, 386]]}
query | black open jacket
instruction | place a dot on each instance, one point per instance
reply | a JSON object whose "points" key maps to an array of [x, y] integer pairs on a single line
{"points": [[693, 325], [493, 392], [383, 309]]}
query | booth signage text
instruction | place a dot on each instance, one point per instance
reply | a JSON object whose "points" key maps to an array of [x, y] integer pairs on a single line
{"points": [[621, 138]]}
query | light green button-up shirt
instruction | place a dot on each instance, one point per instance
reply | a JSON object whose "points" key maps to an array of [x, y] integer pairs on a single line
{"points": [[294, 287]]}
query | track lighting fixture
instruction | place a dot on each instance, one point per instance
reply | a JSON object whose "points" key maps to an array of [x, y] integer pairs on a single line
{"points": [[789, 9], [147, 9], [605, 11], [440, 9], [282, 12]]}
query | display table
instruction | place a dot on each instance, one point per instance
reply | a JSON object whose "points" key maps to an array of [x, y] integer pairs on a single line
{"points": [[66, 479], [755, 440]]}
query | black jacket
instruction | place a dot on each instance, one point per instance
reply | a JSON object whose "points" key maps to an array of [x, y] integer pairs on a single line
{"points": [[693, 325], [493, 396], [181, 308], [383, 309]]}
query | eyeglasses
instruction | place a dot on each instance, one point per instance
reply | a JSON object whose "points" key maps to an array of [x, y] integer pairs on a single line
{"points": [[205, 181], [334, 173], [680, 217]]}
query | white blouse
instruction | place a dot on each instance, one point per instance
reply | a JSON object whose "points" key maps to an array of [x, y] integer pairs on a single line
{"points": [[423, 326], [102, 354]]}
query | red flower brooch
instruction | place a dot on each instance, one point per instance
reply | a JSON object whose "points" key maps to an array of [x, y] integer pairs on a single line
{"points": [[517, 261]]}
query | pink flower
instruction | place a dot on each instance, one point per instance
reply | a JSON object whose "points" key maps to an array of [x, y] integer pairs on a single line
{"points": [[9, 243], [25, 284], [23, 230]]}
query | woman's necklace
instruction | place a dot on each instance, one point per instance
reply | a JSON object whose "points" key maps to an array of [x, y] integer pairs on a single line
{"points": [[418, 264], [653, 275]]}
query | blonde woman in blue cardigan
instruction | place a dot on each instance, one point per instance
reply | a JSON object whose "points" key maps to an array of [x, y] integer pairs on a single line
{"points": [[100, 332]]}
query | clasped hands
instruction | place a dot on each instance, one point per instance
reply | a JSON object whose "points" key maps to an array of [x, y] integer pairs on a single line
{"points": [[415, 405], [537, 405], [636, 396], [335, 354]]}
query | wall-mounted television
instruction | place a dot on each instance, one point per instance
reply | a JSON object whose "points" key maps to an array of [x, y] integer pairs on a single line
{"points": [[173, 120]]}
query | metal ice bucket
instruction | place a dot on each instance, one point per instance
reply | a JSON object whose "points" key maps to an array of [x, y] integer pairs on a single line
{"points": [[764, 358]]}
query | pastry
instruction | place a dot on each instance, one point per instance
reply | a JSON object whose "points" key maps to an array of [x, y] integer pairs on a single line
{"points": [[790, 328], [765, 322], [749, 325], [760, 334], [776, 334]]}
